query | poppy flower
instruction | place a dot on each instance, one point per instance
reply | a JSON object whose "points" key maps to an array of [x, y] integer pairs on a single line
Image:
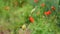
{"points": [[31, 19], [53, 8], [35, 1], [42, 5], [47, 13]]}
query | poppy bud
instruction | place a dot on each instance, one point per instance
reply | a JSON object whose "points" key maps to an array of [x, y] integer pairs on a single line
{"points": [[24, 27], [53, 8]]}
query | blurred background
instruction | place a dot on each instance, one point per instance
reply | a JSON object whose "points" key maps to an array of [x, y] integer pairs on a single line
{"points": [[29, 16]]}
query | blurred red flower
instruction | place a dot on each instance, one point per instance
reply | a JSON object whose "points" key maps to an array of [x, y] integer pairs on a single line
{"points": [[42, 5], [53, 8], [35, 1], [47, 13], [31, 19]]}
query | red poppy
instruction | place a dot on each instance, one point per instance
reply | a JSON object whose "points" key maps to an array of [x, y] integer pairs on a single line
{"points": [[42, 5], [47, 13], [35, 1], [53, 8], [31, 19]]}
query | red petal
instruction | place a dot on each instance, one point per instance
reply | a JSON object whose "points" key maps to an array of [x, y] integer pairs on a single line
{"points": [[42, 4], [35, 1], [31, 19]]}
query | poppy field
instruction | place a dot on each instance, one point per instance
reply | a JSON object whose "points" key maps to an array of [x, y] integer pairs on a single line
{"points": [[29, 16]]}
